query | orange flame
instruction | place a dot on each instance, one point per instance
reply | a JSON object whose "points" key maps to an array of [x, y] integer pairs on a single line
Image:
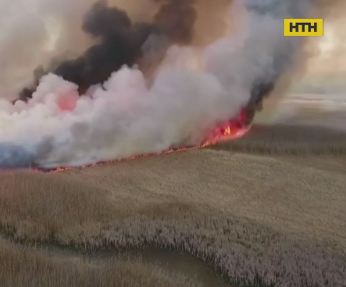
{"points": [[231, 129], [67, 101]]}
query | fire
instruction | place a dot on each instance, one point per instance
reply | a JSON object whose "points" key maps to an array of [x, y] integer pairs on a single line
{"points": [[231, 129], [67, 101]]}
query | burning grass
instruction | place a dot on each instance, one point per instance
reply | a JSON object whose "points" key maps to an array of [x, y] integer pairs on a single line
{"points": [[229, 130], [212, 204]]}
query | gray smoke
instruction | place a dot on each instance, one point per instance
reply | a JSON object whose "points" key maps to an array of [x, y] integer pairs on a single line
{"points": [[12, 156], [193, 91], [121, 42]]}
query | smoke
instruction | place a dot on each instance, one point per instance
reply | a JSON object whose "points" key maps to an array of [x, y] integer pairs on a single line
{"points": [[330, 58], [50, 29], [13, 156], [193, 91], [120, 41], [320, 63]]}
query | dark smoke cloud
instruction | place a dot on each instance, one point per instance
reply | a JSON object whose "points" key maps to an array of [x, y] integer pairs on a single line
{"points": [[283, 59], [120, 41], [177, 18], [178, 109], [263, 87], [123, 42]]}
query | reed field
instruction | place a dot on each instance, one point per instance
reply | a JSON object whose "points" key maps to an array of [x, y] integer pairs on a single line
{"points": [[289, 140], [264, 210]]}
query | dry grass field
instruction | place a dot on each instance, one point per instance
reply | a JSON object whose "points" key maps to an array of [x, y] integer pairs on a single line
{"points": [[21, 267], [268, 208]]}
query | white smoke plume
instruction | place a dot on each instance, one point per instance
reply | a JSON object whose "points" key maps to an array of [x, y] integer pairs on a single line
{"points": [[193, 90]]}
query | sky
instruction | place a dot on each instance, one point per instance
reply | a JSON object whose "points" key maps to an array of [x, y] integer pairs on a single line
{"points": [[332, 50]]}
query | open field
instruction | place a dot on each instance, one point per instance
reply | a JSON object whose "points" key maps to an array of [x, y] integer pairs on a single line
{"points": [[266, 208]]}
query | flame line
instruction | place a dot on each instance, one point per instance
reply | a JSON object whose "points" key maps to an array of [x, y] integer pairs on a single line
{"points": [[226, 136]]}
